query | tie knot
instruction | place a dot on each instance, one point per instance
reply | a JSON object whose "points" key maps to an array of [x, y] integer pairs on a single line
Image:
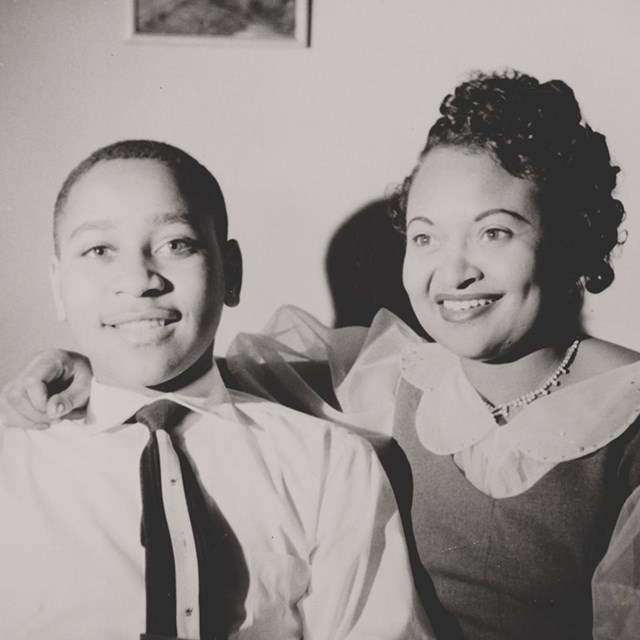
{"points": [[162, 414]]}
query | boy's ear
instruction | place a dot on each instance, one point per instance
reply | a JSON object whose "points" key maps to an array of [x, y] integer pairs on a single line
{"points": [[54, 275], [232, 273]]}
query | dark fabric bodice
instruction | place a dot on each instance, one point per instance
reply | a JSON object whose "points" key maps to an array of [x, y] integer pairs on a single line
{"points": [[517, 567]]}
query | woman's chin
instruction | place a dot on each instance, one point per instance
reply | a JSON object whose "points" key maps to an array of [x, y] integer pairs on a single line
{"points": [[471, 347]]}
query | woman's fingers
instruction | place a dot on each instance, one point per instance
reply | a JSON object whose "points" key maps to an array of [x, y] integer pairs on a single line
{"points": [[53, 384]]}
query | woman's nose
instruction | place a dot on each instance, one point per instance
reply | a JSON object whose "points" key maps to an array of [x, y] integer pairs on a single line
{"points": [[458, 269]]}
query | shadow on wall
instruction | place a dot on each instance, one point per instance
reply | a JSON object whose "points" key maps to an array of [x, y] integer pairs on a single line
{"points": [[364, 268]]}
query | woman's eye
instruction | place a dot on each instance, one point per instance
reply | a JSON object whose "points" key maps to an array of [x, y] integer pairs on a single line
{"points": [[496, 234], [422, 240]]}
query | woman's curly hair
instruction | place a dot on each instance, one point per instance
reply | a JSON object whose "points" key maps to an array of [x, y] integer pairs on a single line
{"points": [[535, 131]]}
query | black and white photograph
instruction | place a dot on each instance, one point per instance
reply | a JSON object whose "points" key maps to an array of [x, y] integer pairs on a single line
{"points": [[319, 320]]}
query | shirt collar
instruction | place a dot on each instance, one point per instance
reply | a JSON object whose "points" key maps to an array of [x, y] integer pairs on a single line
{"points": [[110, 406], [567, 424]]}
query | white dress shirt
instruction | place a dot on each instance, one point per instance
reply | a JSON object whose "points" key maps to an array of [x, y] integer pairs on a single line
{"points": [[316, 551]]}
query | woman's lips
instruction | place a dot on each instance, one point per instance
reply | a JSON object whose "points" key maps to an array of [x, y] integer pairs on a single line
{"points": [[464, 308]]}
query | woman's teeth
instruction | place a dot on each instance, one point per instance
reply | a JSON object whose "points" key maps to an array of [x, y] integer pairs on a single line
{"points": [[464, 305]]}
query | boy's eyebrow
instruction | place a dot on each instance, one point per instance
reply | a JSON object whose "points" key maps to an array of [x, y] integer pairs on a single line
{"points": [[173, 216], [105, 225], [94, 225]]}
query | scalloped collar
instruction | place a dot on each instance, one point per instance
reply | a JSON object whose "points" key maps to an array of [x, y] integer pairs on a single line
{"points": [[567, 424]]}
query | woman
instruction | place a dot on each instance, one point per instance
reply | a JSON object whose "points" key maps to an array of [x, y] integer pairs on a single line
{"points": [[520, 431], [524, 446]]}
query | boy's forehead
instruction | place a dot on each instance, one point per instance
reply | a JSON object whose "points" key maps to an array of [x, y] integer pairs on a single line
{"points": [[141, 181], [132, 195], [126, 189]]}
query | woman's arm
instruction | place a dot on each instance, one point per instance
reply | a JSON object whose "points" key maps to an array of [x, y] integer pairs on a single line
{"points": [[616, 581]]}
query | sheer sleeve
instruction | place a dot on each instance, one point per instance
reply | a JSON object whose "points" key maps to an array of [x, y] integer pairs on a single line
{"points": [[616, 581], [296, 361], [349, 376]]}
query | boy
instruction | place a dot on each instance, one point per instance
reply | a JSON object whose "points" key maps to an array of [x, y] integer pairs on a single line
{"points": [[235, 518]]}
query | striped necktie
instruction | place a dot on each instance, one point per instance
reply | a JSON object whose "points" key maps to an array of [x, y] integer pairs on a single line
{"points": [[160, 565]]}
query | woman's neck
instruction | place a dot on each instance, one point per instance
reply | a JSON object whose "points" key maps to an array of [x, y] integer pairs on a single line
{"points": [[501, 382]]}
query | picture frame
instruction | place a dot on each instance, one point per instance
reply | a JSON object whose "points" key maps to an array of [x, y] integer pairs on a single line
{"points": [[220, 22]]}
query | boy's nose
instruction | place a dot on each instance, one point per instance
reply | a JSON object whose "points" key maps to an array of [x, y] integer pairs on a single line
{"points": [[138, 278]]}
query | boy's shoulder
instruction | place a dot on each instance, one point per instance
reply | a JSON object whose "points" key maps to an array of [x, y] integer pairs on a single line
{"points": [[276, 420], [316, 459]]}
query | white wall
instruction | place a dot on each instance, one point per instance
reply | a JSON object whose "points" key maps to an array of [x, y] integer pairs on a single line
{"points": [[300, 139]]}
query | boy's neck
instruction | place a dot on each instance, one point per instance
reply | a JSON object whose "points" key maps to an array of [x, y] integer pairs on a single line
{"points": [[193, 373]]}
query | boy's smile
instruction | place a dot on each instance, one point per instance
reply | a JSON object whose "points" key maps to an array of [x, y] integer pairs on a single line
{"points": [[144, 327], [139, 275]]}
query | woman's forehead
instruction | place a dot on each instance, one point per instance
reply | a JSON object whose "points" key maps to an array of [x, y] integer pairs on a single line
{"points": [[459, 183]]}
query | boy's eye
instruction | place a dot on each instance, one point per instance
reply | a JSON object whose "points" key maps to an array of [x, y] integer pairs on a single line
{"points": [[99, 251], [496, 234], [178, 246]]}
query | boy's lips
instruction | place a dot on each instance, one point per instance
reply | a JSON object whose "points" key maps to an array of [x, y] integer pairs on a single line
{"points": [[142, 321]]}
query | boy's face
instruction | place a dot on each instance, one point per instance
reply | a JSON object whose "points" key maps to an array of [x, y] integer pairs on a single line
{"points": [[139, 276]]}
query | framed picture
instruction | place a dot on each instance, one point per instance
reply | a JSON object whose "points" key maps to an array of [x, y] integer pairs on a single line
{"points": [[235, 22]]}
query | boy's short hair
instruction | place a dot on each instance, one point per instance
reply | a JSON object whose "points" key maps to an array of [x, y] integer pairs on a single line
{"points": [[195, 181]]}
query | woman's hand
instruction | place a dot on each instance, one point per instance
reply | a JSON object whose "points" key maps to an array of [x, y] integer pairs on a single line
{"points": [[52, 385]]}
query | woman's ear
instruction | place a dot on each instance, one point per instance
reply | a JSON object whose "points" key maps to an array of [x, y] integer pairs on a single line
{"points": [[232, 273], [54, 275]]}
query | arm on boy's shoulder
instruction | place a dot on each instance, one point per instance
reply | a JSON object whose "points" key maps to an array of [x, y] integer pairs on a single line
{"points": [[296, 361]]}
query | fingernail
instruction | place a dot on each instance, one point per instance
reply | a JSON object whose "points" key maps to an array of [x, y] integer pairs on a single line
{"points": [[59, 408]]}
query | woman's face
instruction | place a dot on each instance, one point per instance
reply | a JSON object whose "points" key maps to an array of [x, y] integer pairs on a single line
{"points": [[471, 267]]}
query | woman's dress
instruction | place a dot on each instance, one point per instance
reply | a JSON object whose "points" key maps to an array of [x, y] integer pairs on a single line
{"points": [[526, 530]]}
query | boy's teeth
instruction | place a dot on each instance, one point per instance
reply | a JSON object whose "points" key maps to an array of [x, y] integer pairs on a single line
{"points": [[134, 325], [463, 305]]}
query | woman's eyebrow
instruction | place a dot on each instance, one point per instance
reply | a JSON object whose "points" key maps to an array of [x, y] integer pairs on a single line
{"points": [[421, 219], [509, 212]]}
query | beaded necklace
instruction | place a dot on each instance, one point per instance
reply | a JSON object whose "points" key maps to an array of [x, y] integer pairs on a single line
{"points": [[501, 412]]}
